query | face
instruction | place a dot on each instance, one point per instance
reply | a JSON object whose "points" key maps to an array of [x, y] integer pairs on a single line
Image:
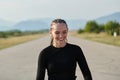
{"points": [[59, 33]]}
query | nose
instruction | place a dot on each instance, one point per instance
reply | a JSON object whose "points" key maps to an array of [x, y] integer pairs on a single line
{"points": [[61, 35]]}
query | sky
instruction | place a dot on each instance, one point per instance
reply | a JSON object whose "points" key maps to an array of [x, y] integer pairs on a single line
{"points": [[18, 10]]}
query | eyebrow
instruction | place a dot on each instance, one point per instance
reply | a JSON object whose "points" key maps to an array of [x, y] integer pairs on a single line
{"points": [[63, 30]]}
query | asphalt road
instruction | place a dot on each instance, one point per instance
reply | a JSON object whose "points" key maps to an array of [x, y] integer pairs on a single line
{"points": [[20, 62]]}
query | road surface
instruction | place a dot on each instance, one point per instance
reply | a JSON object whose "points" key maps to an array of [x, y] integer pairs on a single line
{"points": [[20, 62]]}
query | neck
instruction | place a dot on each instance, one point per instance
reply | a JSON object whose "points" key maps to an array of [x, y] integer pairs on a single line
{"points": [[59, 45]]}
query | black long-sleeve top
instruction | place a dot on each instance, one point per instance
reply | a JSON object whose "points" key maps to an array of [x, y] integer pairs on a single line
{"points": [[61, 63]]}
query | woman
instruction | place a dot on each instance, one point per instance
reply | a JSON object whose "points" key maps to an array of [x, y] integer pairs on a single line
{"points": [[60, 57]]}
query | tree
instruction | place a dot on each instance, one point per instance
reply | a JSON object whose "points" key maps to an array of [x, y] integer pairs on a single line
{"points": [[101, 28], [80, 30], [91, 26], [2, 35], [112, 27]]}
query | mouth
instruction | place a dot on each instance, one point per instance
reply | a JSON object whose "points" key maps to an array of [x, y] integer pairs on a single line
{"points": [[61, 39]]}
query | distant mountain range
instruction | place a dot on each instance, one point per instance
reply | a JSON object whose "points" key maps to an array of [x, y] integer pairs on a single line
{"points": [[113, 17], [44, 23], [33, 24], [5, 25]]}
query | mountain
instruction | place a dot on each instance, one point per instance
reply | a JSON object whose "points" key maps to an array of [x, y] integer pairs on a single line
{"points": [[44, 23], [73, 24], [5, 25], [32, 24], [111, 17]]}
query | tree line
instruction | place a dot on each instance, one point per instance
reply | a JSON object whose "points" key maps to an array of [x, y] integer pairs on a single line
{"points": [[13, 33], [110, 27]]}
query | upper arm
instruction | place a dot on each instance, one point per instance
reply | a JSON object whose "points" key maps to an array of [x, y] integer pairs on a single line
{"points": [[83, 64], [41, 67]]}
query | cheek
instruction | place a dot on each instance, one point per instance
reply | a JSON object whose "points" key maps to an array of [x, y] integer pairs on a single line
{"points": [[65, 36], [54, 36]]}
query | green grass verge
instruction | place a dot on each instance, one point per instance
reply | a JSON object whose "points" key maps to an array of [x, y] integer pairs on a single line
{"points": [[101, 37], [8, 42]]}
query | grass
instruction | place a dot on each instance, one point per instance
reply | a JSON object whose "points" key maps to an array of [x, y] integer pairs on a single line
{"points": [[101, 37], [8, 42]]}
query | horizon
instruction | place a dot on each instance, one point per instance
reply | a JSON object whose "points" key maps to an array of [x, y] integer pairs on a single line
{"points": [[36, 9]]}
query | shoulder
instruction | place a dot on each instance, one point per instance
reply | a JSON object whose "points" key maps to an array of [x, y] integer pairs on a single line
{"points": [[44, 51], [74, 46]]}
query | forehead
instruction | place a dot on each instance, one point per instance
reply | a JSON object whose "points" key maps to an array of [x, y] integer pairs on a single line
{"points": [[59, 26]]}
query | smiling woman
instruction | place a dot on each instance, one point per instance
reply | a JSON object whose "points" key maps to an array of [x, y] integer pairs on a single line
{"points": [[60, 57]]}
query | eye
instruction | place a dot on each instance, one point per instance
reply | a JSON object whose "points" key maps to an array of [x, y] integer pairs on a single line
{"points": [[57, 32], [64, 32]]}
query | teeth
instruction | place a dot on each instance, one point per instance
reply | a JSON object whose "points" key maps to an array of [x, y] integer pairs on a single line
{"points": [[61, 40]]}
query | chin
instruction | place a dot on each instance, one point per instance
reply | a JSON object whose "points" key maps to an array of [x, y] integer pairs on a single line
{"points": [[61, 42]]}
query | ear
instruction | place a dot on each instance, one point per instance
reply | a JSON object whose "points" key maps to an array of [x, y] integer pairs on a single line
{"points": [[50, 32]]}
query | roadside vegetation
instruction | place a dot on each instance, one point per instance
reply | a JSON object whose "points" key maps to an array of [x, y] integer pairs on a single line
{"points": [[109, 28], [14, 37], [101, 37], [108, 33]]}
